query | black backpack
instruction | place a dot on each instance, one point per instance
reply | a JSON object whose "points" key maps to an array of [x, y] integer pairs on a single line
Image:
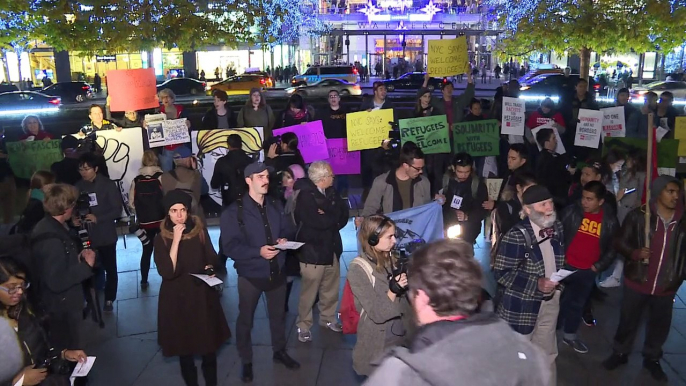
{"points": [[147, 199]]}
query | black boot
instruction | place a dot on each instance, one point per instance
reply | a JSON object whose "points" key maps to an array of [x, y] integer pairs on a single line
{"points": [[653, 366], [209, 369], [286, 360], [246, 374], [189, 373], [615, 360]]}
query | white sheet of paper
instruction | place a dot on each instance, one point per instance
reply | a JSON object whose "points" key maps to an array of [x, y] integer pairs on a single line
{"points": [[289, 245], [493, 185], [211, 281], [20, 382], [660, 132], [560, 275], [82, 369], [560, 147], [456, 203]]}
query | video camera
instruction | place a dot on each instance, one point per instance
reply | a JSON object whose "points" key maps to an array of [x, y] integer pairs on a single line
{"points": [[402, 260], [82, 209]]}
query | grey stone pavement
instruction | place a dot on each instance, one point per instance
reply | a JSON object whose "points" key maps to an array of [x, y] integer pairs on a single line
{"points": [[128, 354]]}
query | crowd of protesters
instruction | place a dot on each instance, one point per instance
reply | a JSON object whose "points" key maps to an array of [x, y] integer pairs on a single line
{"points": [[579, 211]]}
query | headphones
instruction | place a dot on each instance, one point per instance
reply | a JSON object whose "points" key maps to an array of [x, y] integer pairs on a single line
{"points": [[373, 239]]}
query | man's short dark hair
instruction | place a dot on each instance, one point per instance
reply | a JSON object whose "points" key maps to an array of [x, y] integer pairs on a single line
{"points": [[333, 90], [221, 95], [95, 105], [447, 83], [623, 90], [449, 275], [543, 136], [89, 159], [597, 188], [473, 102], [234, 141], [463, 159], [410, 152], [582, 80], [520, 149], [522, 178], [667, 94]]}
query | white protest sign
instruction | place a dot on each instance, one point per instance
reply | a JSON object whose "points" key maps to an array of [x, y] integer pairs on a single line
{"points": [[168, 132], [493, 185], [513, 116], [613, 122], [560, 149], [589, 128]]}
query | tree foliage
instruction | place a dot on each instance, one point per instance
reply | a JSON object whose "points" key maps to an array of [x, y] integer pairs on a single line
{"points": [[287, 19], [18, 22]]}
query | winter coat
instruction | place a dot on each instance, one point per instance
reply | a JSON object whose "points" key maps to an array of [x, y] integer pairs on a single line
{"points": [[210, 120], [106, 205], [385, 198], [228, 175], [263, 117], [190, 319]]}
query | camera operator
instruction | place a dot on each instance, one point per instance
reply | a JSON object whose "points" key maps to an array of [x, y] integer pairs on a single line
{"points": [[378, 288], [445, 288], [60, 266], [105, 207], [283, 152]]}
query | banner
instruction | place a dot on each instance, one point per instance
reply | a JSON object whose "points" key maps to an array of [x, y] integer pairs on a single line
{"points": [[210, 145], [366, 129], [494, 185], [131, 90], [423, 222], [589, 128], [168, 132], [560, 149], [342, 161], [478, 138], [25, 158], [429, 133], [448, 57], [311, 140], [613, 122], [513, 116], [666, 149], [123, 153]]}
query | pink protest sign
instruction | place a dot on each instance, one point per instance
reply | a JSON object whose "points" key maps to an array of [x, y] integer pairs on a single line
{"points": [[311, 140], [131, 90], [342, 161]]}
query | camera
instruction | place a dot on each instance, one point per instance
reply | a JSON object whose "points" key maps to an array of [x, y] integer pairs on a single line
{"points": [[54, 364], [142, 235], [271, 141], [83, 208], [403, 254]]}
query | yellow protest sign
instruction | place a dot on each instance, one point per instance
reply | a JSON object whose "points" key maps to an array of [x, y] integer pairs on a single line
{"points": [[681, 151], [366, 130], [447, 57], [680, 128]]}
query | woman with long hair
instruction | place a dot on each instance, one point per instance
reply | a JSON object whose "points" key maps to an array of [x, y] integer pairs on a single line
{"points": [[45, 364], [423, 106], [190, 320], [285, 153], [296, 112], [33, 129], [257, 113], [378, 292], [34, 211], [288, 179]]}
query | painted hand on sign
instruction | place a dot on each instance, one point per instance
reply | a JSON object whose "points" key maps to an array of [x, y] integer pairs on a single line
{"points": [[116, 153]]}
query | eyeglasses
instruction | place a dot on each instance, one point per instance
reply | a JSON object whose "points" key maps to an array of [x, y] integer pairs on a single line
{"points": [[415, 168], [24, 286]]}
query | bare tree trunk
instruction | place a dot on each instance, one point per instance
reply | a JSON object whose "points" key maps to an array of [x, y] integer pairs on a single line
{"points": [[584, 62], [21, 78], [5, 66]]}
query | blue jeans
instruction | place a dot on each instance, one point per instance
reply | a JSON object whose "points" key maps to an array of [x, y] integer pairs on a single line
{"points": [[577, 289]]}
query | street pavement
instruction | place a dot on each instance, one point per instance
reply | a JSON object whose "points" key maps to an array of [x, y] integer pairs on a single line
{"points": [[128, 354]]}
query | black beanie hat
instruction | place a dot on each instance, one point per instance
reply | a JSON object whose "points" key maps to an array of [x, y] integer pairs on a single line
{"points": [[536, 193], [176, 196]]}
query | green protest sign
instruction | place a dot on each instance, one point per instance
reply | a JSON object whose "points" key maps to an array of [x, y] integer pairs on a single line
{"points": [[477, 138], [27, 157], [666, 149], [429, 133]]}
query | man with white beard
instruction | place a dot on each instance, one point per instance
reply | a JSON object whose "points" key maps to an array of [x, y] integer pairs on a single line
{"points": [[527, 257]]}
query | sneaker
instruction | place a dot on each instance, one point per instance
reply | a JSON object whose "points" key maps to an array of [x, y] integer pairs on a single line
{"points": [[655, 370], [588, 318], [577, 345], [109, 307], [610, 282], [615, 360], [246, 374], [304, 336], [286, 360], [335, 327]]}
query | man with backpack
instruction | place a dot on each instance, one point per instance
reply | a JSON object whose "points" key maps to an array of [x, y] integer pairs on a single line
{"points": [[185, 176]]}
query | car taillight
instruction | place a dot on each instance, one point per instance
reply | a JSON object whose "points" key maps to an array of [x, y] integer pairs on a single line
{"points": [[85, 87], [356, 87], [55, 101], [355, 71], [262, 81], [596, 87], [204, 84]]}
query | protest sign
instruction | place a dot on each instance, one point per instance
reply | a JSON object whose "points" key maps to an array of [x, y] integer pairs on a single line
{"points": [[478, 138], [429, 133], [666, 149], [366, 130], [342, 161], [25, 158], [613, 122], [493, 185], [447, 57], [560, 149], [123, 152], [680, 134], [168, 132], [589, 128], [513, 116], [210, 145], [311, 140], [131, 90]]}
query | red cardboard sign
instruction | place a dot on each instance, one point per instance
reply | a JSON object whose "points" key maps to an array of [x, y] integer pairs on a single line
{"points": [[131, 90]]}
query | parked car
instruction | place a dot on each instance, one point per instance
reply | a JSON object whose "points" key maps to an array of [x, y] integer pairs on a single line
{"points": [[7, 87], [26, 102], [322, 88], [551, 85], [542, 69], [678, 88], [413, 81], [240, 84], [316, 73], [70, 91], [183, 86]]}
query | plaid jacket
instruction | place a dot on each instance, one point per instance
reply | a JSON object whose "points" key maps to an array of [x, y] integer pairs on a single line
{"points": [[517, 276]]}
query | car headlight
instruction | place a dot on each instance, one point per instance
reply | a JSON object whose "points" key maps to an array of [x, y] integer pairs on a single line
{"points": [[454, 231]]}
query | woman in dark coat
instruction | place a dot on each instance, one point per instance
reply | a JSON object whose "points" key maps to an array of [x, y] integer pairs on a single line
{"points": [[190, 320]]}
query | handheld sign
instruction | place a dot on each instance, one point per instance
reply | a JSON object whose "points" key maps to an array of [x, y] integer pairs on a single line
{"points": [[366, 130], [132, 90], [513, 116], [429, 133], [478, 138], [311, 140], [447, 57]]}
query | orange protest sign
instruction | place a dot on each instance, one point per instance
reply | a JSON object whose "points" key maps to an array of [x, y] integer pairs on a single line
{"points": [[131, 90]]}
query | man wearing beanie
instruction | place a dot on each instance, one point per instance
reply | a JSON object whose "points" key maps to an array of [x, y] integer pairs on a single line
{"points": [[528, 255], [652, 274]]}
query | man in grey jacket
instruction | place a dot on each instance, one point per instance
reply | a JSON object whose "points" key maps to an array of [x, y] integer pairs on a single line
{"points": [[104, 198], [400, 189], [455, 341]]}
